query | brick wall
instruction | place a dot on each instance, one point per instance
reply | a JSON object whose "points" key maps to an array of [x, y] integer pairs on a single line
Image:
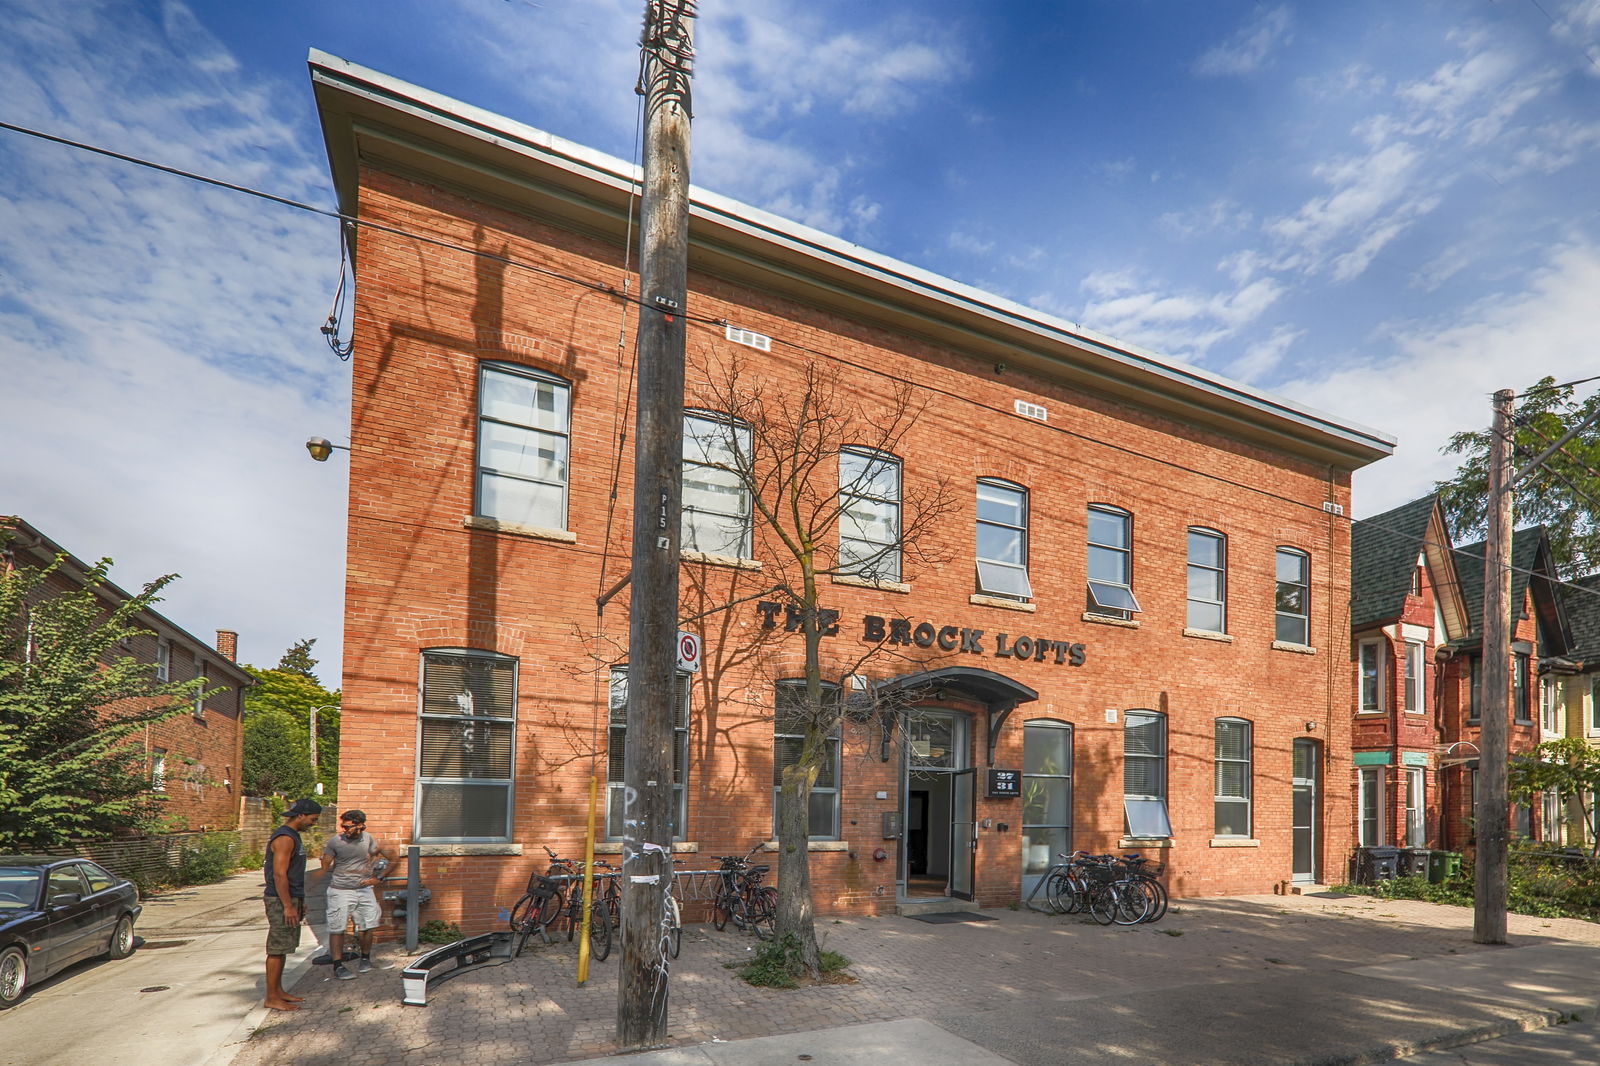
{"points": [[418, 578]]}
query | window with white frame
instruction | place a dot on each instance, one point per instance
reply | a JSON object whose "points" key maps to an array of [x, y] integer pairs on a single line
{"points": [[1594, 705], [1550, 706], [1522, 709], [1144, 774], [617, 755], [869, 519], [716, 496], [1002, 554], [1208, 581], [467, 737], [158, 769], [1293, 599], [1550, 817], [163, 659], [1233, 774], [199, 708], [1370, 679], [523, 446], [1416, 672], [788, 741], [1416, 807], [1369, 806], [1111, 562]]}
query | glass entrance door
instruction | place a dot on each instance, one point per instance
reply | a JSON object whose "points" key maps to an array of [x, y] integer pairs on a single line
{"points": [[936, 806], [963, 834], [1304, 812]]}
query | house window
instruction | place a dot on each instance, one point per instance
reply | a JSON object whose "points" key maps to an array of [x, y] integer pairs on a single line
{"points": [[788, 737], [1369, 804], [1371, 680], [617, 754], [200, 689], [1002, 554], [1416, 580], [1294, 597], [1550, 817], [1519, 689], [1550, 706], [163, 660], [1144, 774], [1233, 778], [1208, 581], [1111, 562], [1415, 672], [158, 769], [1474, 689], [468, 734], [716, 496], [869, 519], [1416, 807], [1046, 794], [523, 446], [1594, 705]]}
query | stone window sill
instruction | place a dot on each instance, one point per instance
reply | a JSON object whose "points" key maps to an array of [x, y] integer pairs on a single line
{"points": [[1208, 634], [470, 849], [1234, 842], [813, 845], [712, 559], [494, 525], [1371, 714], [1298, 649], [869, 583], [614, 847], [1102, 620], [1000, 601], [1144, 842]]}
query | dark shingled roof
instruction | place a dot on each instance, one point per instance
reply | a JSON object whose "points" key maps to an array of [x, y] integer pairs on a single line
{"points": [[1383, 553], [1583, 615], [1528, 548]]}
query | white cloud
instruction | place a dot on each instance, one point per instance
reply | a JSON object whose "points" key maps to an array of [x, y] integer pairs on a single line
{"points": [[1184, 324], [1263, 357], [1249, 49], [1219, 216]]}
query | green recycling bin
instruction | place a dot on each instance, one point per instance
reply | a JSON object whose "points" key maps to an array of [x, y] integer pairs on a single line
{"points": [[1443, 865]]}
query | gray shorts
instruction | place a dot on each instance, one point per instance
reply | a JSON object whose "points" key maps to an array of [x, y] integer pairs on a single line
{"points": [[283, 938]]}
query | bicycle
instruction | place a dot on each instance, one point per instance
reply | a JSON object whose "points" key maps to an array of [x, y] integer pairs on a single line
{"points": [[742, 898], [1104, 886], [556, 893]]}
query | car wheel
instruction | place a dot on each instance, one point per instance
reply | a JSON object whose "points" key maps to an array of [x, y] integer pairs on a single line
{"points": [[122, 938], [13, 975]]}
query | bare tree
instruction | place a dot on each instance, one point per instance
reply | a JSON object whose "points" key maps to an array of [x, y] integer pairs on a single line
{"points": [[819, 465]]}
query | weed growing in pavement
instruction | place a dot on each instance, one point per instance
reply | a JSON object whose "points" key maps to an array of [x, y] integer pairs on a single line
{"points": [[777, 964], [437, 932]]}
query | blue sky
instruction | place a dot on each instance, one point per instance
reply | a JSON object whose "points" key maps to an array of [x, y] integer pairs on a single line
{"points": [[1383, 210]]}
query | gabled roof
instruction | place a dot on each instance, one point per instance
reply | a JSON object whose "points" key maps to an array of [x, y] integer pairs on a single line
{"points": [[1383, 553], [1582, 606], [1533, 569]]}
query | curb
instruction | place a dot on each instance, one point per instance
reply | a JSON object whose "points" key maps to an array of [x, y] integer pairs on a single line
{"points": [[256, 1017], [1525, 1022]]}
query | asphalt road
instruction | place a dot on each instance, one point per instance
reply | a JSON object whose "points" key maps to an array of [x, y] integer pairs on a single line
{"points": [[177, 1001]]}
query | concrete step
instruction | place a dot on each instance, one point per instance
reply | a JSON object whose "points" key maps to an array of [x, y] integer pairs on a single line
{"points": [[935, 906]]}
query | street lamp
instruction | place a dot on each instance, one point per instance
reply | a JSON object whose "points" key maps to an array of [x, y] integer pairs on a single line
{"points": [[321, 447], [314, 712]]}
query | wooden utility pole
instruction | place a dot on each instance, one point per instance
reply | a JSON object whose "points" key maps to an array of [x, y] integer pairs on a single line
{"points": [[665, 66], [1492, 812]]}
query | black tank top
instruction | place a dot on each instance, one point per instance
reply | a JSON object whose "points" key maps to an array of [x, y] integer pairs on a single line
{"points": [[297, 865]]}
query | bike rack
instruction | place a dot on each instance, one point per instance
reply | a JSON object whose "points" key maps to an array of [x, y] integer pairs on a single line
{"points": [[471, 953]]}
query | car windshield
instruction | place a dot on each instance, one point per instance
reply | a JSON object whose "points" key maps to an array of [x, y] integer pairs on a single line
{"points": [[19, 888]]}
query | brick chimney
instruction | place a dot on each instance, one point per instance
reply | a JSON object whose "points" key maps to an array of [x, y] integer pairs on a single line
{"points": [[228, 644]]}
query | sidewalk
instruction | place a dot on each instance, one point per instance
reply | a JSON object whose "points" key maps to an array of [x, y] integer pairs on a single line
{"points": [[1262, 979]]}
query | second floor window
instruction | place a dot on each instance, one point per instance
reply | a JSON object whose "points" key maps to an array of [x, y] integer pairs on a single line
{"points": [[1370, 679], [1551, 706], [869, 520], [1522, 709], [1416, 671], [1208, 581], [1293, 601], [1003, 540], [1474, 689], [163, 660], [523, 426], [1111, 563], [716, 496]]}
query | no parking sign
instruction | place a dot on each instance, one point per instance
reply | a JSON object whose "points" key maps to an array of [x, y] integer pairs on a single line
{"points": [[688, 651]]}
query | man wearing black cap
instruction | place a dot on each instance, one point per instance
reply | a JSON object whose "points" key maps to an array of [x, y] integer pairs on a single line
{"points": [[358, 862], [284, 872]]}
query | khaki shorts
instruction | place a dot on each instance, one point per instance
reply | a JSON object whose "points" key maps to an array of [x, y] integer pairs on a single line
{"points": [[282, 938], [358, 903]]}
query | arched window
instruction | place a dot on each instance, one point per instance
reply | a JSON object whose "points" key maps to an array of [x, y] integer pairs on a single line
{"points": [[1111, 562], [1234, 765], [1144, 774], [869, 519], [1002, 554], [1046, 795], [1293, 603]]}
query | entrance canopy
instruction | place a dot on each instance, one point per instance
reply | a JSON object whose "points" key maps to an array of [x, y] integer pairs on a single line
{"points": [[998, 693]]}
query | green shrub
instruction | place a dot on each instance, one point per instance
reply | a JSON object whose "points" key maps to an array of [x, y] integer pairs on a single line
{"points": [[435, 931], [778, 963], [208, 860]]}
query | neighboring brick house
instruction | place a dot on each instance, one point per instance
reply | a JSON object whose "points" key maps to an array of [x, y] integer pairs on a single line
{"points": [[1538, 629], [1405, 604], [1144, 610], [195, 756]]}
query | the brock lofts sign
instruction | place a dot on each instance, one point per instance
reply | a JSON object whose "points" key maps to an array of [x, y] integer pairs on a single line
{"points": [[909, 633]]}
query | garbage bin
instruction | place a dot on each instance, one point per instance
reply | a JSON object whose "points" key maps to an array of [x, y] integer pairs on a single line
{"points": [[1414, 862], [1376, 864], [1443, 865]]}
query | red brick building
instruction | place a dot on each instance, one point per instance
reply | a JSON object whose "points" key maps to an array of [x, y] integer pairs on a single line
{"points": [[193, 758], [1140, 606]]}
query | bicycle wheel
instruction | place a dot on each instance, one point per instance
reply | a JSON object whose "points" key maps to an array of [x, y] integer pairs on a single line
{"points": [[599, 934], [674, 927], [524, 913], [721, 911], [574, 912], [1102, 903], [1158, 896], [550, 908], [764, 912], [1132, 903], [1056, 889]]}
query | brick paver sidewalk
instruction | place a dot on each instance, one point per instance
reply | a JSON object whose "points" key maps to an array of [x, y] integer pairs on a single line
{"points": [[530, 1010]]}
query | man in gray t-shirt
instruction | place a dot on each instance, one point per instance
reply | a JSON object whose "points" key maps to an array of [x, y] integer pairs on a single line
{"points": [[357, 861]]}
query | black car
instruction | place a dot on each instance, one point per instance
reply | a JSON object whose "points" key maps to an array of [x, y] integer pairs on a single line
{"points": [[57, 911]]}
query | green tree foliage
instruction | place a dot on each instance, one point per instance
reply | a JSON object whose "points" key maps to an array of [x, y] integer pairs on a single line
{"points": [[276, 756], [1563, 494], [295, 692], [73, 709], [1568, 766], [298, 660]]}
